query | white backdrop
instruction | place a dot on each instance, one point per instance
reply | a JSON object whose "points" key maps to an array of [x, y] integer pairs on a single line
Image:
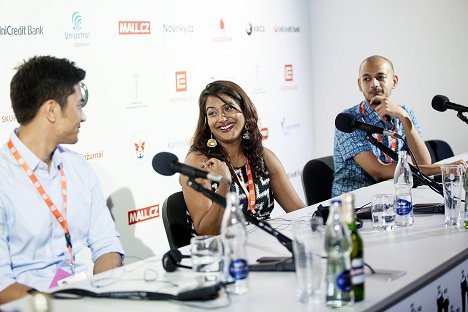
{"points": [[146, 63], [427, 42]]}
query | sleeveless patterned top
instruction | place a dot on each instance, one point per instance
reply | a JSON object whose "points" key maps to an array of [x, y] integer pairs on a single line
{"points": [[264, 201]]}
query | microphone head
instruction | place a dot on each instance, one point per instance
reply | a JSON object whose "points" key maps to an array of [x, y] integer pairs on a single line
{"points": [[162, 163], [344, 122], [439, 102], [171, 259]]}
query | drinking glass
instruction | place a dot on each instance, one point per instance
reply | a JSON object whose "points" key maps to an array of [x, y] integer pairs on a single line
{"points": [[452, 181], [308, 242], [207, 255], [383, 213]]}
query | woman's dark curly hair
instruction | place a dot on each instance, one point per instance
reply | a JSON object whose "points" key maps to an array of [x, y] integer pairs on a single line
{"points": [[252, 147]]}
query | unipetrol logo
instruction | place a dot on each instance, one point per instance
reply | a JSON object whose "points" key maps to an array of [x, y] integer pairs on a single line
{"points": [[289, 29], [134, 27], [181, 81], [249, 29], [143, 214], [23, 30], [78, 35], [77, 20], [288, 72]]}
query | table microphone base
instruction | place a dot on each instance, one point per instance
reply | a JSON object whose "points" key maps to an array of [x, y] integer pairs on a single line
{"points": [[273, 264]]}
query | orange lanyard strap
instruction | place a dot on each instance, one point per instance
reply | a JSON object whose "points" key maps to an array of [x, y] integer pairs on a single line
{"points": [[379, 138], [251, 186], [35, 181], [251, 192]]}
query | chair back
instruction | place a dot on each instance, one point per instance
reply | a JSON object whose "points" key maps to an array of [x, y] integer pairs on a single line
{"points": [[317, 179], [174, 215], [439, 150]]}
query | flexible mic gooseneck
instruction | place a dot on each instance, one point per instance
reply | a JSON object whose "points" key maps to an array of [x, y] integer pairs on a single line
{"points": [[421, 177], [284, 240]]}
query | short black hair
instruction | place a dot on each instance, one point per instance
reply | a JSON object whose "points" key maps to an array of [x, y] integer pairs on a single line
{"points": [[39, 79]]}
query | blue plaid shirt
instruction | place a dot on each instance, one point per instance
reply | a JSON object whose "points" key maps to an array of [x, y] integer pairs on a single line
{"points": [[348, 174]]}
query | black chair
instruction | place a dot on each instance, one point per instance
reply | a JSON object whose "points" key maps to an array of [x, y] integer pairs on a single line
{"points": [[439, 150], [317, 179], [174, 215]]}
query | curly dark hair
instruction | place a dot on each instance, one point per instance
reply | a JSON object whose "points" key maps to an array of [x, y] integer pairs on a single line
{"points": [[252, 148], [39, 79]]}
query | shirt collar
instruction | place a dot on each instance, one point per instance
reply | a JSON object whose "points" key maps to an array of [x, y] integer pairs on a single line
{"points": [[30, 158]]}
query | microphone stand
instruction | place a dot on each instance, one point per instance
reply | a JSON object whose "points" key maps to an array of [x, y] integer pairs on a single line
{"points": [[462, 117], [281, 264], [421, 177]]}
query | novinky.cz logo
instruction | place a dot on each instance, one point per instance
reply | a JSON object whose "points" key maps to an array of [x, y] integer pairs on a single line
{"points": [[143, 214], [134, 27], [23, 30]]}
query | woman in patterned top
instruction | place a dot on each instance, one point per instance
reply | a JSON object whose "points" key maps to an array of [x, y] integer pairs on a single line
{"points": [[227, 142]]}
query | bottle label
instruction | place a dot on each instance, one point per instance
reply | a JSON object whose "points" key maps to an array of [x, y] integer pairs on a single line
{"points": [[343, 281], [357, 271], [403, 207], [238, 269]]}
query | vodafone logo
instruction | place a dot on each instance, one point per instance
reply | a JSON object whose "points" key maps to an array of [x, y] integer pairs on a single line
{"points": [[134, 27], [143, 214]]}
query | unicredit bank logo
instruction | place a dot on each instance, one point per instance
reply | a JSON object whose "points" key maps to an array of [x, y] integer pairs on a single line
{"points": [[288, 72], [143, 214], [134, 27]]}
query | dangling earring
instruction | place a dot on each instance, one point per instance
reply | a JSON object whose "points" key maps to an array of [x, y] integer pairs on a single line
{"points": [[211, 142], [246, 134]]}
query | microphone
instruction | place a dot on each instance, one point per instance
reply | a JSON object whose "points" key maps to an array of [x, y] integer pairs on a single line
{"points": [[168, 164], [171, 260], [441, 103], [347, 123]]}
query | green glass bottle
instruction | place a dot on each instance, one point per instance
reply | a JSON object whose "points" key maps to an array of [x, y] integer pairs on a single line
{"points": [[357, 252]]}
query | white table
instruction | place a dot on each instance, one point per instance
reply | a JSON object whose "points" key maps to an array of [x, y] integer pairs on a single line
{"points": [[426, 252]]}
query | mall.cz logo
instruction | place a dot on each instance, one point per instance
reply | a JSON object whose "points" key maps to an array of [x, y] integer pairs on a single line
{"points": [[21, 30], [134, 28], [143, 214]]}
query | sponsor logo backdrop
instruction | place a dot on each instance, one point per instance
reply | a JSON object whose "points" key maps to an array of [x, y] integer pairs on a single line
{"points": [[146, 63]]}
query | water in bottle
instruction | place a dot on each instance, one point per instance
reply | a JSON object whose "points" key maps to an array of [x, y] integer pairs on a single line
{"points": [[234, 236], [339, 292], [357, 250], [403, 182]]}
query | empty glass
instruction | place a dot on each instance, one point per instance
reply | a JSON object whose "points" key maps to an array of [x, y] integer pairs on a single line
{"points": [[308, 243], [383, 214], [206, 255], [452, 181]]}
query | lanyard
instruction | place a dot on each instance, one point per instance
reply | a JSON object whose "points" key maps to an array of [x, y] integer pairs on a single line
{"points": [[379, 138], [251, 193], [60, 218]]}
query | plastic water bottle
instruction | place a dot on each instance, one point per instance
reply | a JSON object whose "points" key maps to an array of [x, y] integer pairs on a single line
{"points": [[403, 182], [339, 292], [357, 250], [234, 236]]}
